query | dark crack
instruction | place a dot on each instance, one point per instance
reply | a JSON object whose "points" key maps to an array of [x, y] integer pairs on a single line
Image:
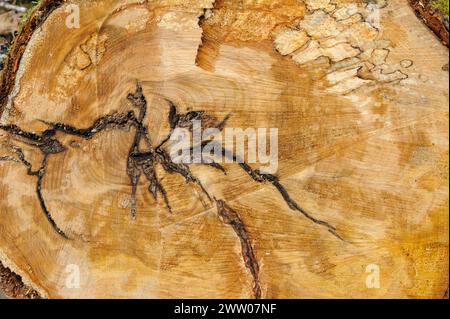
{"points": [[185, 121], [232, 218], [40, 176], [177, 120], [47, 145], [142, 161], [260, 177]]}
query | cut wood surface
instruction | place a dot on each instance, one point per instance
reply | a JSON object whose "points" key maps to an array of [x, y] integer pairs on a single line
{"points": [[357, 89]]}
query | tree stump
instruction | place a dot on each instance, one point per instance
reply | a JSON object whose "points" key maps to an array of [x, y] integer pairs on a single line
{"points": [[93, 205]]}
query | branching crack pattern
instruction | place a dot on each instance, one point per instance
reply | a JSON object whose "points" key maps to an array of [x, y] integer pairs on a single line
{"points": [[141, 163]]}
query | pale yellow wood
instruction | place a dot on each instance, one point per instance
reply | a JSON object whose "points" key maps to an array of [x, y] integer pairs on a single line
{"points": [[362, 115]]}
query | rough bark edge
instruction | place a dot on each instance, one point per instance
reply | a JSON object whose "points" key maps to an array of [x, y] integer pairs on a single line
{"points": [[38, 17], [423, 9], [433, 18], [12, 286], [22, 282], [7, 82]]}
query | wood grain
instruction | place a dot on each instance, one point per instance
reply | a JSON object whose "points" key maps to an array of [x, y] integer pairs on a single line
{"points": [[362, 110]]}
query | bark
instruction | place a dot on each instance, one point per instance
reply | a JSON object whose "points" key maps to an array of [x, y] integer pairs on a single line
{"points": [[432, 17], [11, 286], [93, 205]]}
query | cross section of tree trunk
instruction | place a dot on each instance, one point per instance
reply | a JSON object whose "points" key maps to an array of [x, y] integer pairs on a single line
{"points": [[92, 204]]}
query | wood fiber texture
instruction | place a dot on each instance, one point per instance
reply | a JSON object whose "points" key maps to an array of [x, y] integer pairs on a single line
{"points": [[357, 90]]}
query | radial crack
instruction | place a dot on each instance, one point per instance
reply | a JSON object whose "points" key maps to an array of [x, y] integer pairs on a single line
{"points": [[260, 177], [139, 162], [232, 218], [142, 162], [47, 145], [40, 177]]}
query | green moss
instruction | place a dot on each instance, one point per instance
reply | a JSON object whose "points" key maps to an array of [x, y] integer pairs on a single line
{"points": [[441, 5], [26, 3], [31, 5]]}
